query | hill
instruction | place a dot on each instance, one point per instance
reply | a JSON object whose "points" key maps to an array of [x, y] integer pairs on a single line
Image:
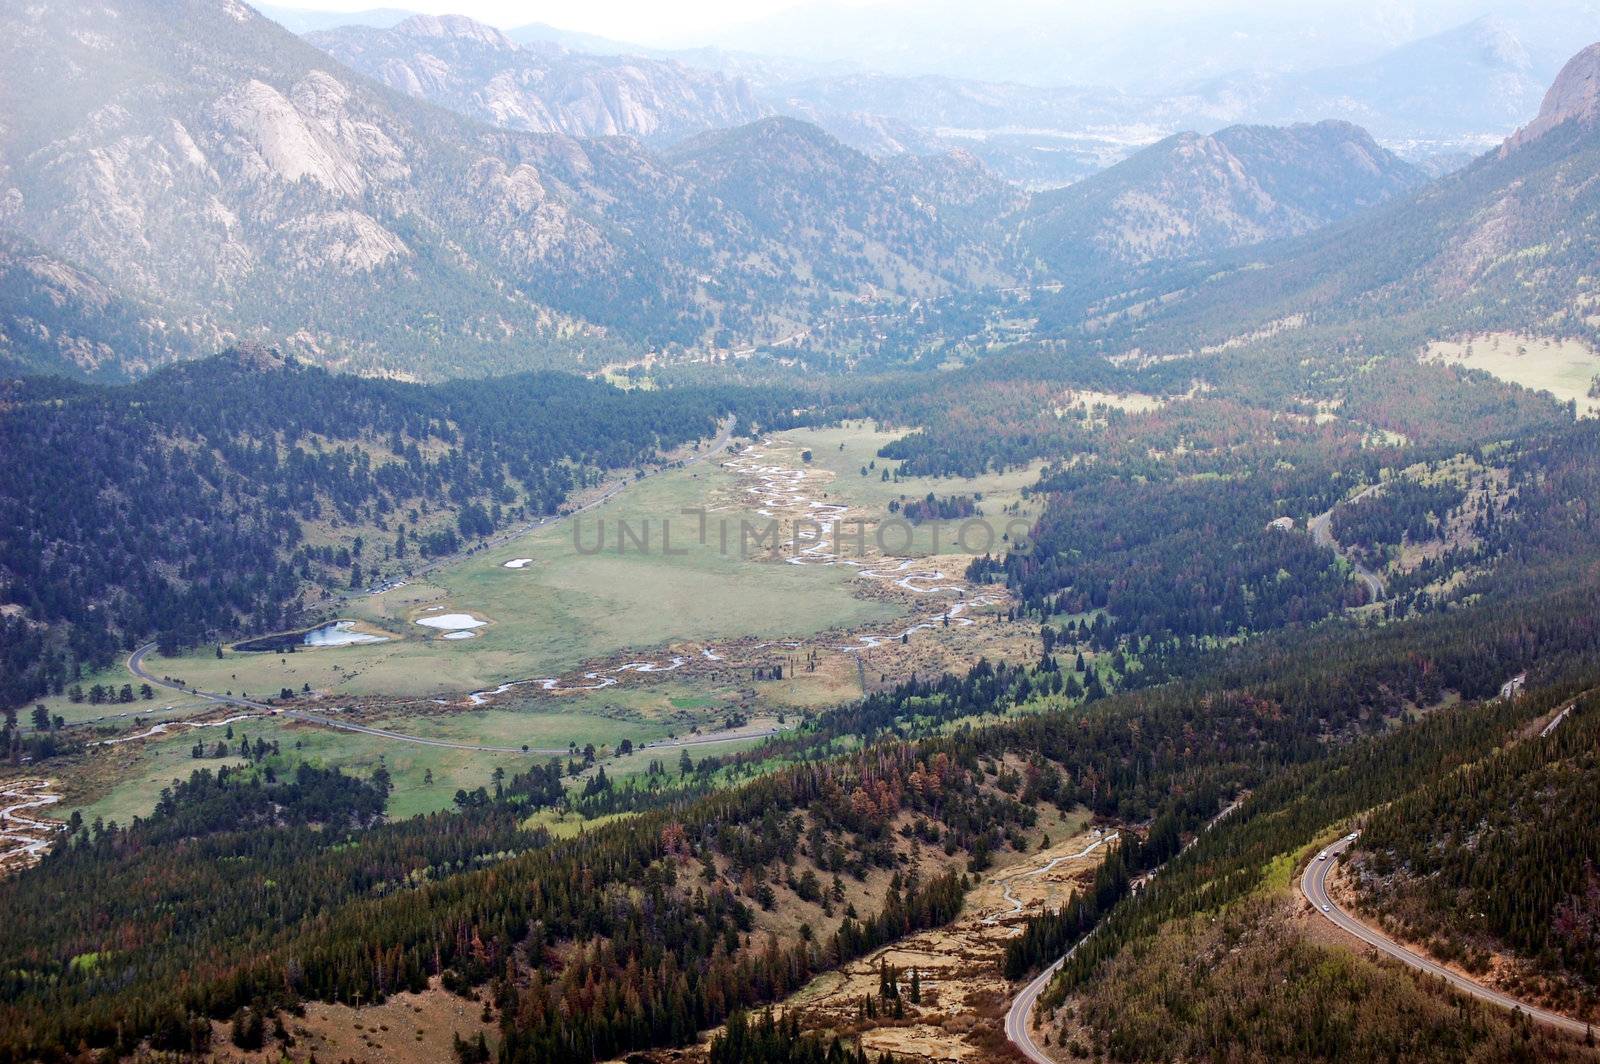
{"points": [[1193, 194], [1494, 868]]}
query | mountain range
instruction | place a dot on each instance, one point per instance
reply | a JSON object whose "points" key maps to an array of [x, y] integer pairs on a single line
{"points": [[1507, 243], [1435, 92], [478, 71], [162, 198], [257, 188], [241, 184]]}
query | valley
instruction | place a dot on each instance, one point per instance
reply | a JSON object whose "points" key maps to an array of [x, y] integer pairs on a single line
{"points": [[522, 546], [818, 628]]}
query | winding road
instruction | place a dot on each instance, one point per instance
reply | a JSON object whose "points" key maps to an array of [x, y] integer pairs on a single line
{"points": [[1314, 885], [1021, 1010], [1322, 535]]}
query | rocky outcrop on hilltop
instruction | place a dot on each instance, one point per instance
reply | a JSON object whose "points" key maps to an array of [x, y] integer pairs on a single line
{"points": [[1575, 95]]}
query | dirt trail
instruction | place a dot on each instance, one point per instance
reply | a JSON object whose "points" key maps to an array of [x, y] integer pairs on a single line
{"points": [[962, 989]]}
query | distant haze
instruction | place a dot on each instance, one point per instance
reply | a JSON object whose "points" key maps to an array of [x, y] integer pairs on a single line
{"points": [[1139, 45]]}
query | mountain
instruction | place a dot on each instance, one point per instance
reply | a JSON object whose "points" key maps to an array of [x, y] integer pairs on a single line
{"points": [[1574, 97], [243, 178], [1195, 194], [1506, 244], [480, 72], [259, 189], [844, 218], [58, 318]]}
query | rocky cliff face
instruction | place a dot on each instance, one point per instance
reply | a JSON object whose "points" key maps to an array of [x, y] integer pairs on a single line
{"points": [[58, 318], [1575, 96], [476, 70]]}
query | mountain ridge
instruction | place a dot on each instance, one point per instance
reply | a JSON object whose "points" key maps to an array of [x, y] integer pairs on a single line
{"points": [[476, 70], [282, 196], [1195, 193]]}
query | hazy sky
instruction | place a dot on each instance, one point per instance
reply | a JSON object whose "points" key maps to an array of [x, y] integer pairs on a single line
{"points": [[1127, 43], [681, 22], [665, 22]]}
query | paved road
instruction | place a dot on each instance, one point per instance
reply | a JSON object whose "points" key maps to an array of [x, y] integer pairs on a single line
{"points": [[1555, 722], [1314, 885], [1021, 1010], [1022, 1005], [136, 666], [1322, 536]]}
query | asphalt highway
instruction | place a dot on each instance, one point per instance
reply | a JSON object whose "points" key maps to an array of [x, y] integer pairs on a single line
{"points": [[1314, 885]]}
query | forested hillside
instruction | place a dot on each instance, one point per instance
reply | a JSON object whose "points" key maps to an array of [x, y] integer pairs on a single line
{"points": [[1501, 857], [640, 932], [1214, 929], [207, 499], [829, 211]]}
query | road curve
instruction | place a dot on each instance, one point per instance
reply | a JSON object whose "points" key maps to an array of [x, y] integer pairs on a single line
{"points": [[136, 666], [1314, 885], [1022, 1008], [1322, 535], [1022, 1005]]}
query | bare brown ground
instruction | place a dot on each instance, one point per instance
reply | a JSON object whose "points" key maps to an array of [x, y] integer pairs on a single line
{"points": [[964, 996], [406, 1029]]}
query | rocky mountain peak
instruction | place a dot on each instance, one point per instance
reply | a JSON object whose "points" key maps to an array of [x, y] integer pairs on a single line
{"points": [[1574, 95], [455, 27], [253, 357]]}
